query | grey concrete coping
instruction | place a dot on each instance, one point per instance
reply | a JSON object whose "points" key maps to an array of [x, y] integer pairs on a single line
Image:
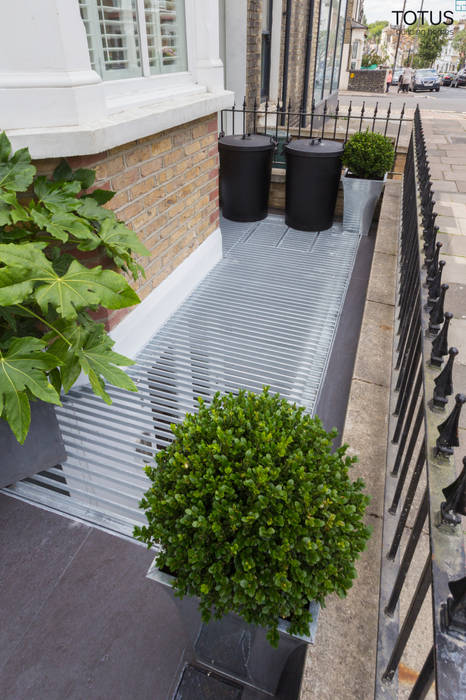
{"points": [[341, 664]]}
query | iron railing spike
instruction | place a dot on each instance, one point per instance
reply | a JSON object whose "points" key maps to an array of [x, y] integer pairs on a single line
{"points": [[435, 285], [448, 430], [433, 267], [454, 507], [453, 612], [440, 342], [444, 382], [436, 315]]}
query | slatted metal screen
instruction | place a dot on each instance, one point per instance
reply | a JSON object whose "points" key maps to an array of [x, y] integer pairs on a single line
{"points": [[266, 314]]}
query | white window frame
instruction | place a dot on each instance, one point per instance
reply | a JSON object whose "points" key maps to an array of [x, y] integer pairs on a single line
{"points": [[137, 91], [75, 111]]}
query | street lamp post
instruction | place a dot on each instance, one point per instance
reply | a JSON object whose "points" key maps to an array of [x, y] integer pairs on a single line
{"points": [[399, 35]]}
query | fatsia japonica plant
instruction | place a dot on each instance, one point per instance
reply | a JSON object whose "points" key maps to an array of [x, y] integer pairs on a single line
{"points": [[254, 511], [47, 336]]}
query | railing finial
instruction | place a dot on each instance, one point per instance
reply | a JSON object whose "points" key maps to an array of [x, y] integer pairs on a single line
{"points": [[448, 437]]}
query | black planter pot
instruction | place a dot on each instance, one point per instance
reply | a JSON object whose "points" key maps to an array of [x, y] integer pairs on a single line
{"points": [[42, 449], [231, 647]]}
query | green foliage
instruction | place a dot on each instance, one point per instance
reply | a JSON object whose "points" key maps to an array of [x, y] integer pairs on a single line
{"points": [[46, 334], [432, 39], [368, 155], [374, 30], [459, 43], [372, 58], [255, 513]]}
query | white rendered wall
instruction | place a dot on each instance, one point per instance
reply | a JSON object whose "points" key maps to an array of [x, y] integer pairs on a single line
{"points": [[52, 101]]}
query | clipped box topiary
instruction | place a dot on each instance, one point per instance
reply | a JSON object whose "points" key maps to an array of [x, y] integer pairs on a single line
{"points": [[255, 515], [367, 158]]}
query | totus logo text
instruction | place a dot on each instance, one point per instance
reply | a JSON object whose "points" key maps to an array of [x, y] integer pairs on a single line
{"points": [[424, 17]]}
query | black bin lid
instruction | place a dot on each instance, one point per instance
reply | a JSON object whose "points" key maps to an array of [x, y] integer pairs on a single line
{"points": [[254, 142], [314, 148]]}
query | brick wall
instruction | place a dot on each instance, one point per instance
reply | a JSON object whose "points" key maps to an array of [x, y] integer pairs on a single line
{"points": [[167, 192], [368, 80]]}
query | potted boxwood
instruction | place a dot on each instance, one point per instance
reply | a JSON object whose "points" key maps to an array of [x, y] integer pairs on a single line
{"points": [[47, 335], [367, 158], [256, 518]]}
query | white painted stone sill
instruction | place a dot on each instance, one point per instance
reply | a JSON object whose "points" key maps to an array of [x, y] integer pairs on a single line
{"points": [[122, 127]]}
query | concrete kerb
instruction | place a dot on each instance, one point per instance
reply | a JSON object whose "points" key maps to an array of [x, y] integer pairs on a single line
{"points": [[342, 662]]}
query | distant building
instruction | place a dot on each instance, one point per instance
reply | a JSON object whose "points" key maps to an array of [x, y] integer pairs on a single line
{"points": [[450, 59], [388, 46], [354, 41], [286, 50]]}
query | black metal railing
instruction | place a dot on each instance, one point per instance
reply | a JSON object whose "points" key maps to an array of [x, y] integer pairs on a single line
{"points": [[423, 435], [335, 122]]}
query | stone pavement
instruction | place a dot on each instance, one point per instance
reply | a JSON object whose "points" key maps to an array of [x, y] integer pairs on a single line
{"points": [[446, 141]]}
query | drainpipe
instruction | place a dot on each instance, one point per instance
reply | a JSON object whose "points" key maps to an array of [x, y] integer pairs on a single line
{"points": [[307, 64], [286, 54]]}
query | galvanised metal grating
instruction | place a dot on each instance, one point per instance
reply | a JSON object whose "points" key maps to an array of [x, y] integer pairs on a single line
{"points": [[266, 314]]}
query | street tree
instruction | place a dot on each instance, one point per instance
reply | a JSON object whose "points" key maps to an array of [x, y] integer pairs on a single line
{"points": [[459, 43], [372, 58], [374, 30], [432, 39]]}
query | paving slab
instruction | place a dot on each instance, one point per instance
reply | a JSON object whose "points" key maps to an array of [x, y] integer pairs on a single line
{"points": [[89, 623]]}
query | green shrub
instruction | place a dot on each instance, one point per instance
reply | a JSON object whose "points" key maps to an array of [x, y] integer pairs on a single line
{"points": [[368, 155], [254, 512], [47, 336]]}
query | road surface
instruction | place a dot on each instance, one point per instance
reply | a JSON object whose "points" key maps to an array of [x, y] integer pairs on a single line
{"points": [[446, 100]]}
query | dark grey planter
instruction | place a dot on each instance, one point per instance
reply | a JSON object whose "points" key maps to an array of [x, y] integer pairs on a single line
{"points": [[360, 199], [43, 447], [232, 647]]}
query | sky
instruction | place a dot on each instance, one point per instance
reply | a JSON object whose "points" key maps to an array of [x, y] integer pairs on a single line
{"points": [[382, 9]]}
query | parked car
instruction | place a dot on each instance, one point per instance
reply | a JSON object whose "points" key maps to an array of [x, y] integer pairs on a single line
{"points": [[396, 76], [459, 79], [425, 79], [446, 78]]}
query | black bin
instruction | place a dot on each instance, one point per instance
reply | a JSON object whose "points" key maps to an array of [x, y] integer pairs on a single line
{"points": [[313, 170], [245, 170]]}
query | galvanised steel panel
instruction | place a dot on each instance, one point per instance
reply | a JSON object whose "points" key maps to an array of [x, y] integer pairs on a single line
{"points": [[266, 314]]}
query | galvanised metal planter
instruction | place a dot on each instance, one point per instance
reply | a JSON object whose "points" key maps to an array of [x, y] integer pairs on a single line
{"points": [[360, 199], [232, 647], [42, 449]]}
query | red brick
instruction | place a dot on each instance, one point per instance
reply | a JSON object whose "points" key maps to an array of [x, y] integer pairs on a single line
{"points": [[127, 178]]}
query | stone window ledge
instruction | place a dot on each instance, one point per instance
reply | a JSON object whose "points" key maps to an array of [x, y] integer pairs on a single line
{"points": [[123, 127]]}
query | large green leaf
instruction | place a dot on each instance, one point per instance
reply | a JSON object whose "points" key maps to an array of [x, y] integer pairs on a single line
{"points": [[24, 368], [29, 272], [91, 209], [57, 196], [16, 173], [120, 243], [89, 349], [63, 171], [11, 211], [61, 224]]}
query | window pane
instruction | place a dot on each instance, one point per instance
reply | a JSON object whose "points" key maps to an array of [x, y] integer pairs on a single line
{"points": [[321, 49], [112, 37], [332, 38], [339, 49], [166, 36]]}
